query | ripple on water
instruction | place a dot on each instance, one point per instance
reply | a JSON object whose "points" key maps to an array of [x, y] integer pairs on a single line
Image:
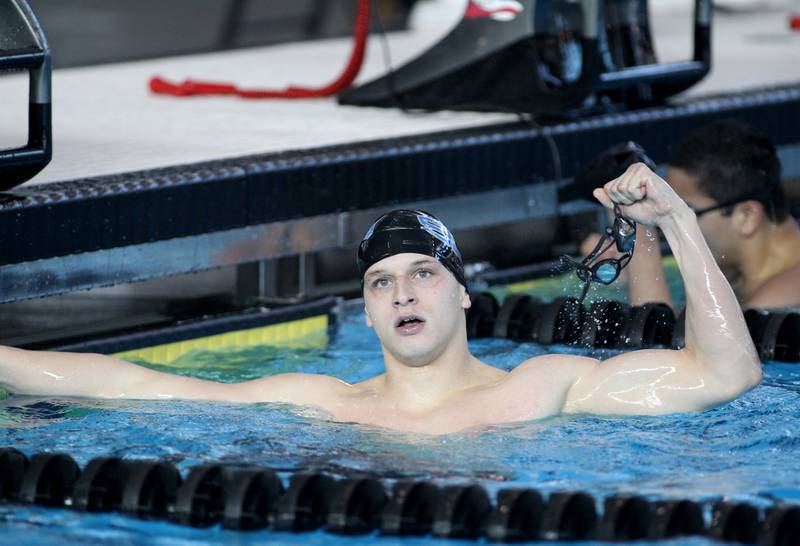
{"points": [[747, 449]]}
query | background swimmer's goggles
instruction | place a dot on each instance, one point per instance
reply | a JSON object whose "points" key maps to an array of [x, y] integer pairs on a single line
{"points": [[762, 195], [623, 235]]}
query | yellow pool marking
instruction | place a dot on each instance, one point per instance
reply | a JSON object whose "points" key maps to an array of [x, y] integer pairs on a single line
{"points": [[297, 334]]}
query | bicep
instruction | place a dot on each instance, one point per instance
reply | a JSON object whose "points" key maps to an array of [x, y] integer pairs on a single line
{"points": [[293, 388], [289, 388], [645, 382]]}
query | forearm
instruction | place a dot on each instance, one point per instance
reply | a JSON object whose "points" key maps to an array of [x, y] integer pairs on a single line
{"points": [[96, 376], [716, 332], [32, 372], [646, 280]]}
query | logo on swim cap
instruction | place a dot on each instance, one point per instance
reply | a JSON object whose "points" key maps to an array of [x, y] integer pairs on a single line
{"points": [[437, 229], [370, 231]]}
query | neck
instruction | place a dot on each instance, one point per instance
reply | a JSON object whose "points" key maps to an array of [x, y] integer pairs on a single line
{"points": [[423, 387], [771, 250]]}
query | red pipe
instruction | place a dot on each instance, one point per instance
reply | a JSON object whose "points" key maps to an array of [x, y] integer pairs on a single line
{"points": [[190, 87]]}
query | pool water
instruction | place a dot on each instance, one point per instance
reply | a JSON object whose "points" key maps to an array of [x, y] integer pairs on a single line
{"points": [[746, 450], [568, 284]]}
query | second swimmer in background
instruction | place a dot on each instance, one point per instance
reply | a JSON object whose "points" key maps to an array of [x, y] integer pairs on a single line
{"points": [[730, 176]]}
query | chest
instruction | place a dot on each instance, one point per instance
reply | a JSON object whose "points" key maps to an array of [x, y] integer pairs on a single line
{"points": [[477, 409]]}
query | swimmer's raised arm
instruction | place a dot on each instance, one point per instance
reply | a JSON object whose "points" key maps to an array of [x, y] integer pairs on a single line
{"points": [[719, 361], [100, 376], [646, 280]]}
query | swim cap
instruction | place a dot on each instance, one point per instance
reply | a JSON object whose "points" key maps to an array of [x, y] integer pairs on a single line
{"points": [[413, 231]]}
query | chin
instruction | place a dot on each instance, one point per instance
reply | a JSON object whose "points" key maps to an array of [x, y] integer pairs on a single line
{"points": [[415, 359], [411, 363]]}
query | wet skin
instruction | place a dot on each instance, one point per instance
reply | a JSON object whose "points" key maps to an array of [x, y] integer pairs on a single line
{"points": [[760, 257], [433, 385]]}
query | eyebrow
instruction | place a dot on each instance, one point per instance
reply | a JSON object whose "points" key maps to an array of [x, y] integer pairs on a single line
{"points": [[379, 272], [376, 273]]}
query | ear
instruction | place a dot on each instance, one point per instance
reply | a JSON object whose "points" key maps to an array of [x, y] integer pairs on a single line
{"points": [[367, 318], [466, 302], [748, 217]]}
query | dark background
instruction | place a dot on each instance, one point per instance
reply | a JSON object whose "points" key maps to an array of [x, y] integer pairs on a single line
{"points": [[85, 32]]}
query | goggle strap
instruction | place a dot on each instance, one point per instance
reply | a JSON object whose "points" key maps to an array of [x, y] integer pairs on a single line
{"points": [[752, 196], [596, 250], [585, 290]]}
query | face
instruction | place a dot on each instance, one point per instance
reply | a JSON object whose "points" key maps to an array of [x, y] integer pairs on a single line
{"points": [[416, 307], [716, 226]]}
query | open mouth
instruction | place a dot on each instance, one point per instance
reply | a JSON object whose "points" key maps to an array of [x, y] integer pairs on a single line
{"points": [[409, 324]]}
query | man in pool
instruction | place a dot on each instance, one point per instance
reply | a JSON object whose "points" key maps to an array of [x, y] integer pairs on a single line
{"points": [[415, 298]]}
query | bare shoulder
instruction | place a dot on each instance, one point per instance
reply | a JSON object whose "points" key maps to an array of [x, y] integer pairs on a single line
{"points": [[562, 366], [640, 382], [540, 386], [778, 291], [552, 373], [294, 388]]}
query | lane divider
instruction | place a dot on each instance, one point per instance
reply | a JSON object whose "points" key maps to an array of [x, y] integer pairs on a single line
{"points": [[609, 324], [246, 498]]}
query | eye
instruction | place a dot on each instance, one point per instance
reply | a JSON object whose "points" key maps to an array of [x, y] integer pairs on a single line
{"points": [[424, 273], [380, 282]]}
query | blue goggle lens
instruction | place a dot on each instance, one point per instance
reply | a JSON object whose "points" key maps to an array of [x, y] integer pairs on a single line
{"points": [[605, 273]]}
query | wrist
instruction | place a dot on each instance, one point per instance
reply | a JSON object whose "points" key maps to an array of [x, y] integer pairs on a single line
{"points": [[647, 238], [677, 220]]}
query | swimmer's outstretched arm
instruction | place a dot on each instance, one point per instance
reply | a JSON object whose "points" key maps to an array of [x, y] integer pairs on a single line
{"points": [[100, 376], [719, 361]]}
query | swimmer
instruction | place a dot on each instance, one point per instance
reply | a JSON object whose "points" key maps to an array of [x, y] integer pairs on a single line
{"points": [[415, 299], [730, 175]]}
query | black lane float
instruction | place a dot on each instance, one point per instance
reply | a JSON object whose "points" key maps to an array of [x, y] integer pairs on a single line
{"points": [[244, 498], [610, 324]]}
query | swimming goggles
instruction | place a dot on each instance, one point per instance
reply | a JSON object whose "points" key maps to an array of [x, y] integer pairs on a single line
{"points": [[754, 195], [623, 235]]}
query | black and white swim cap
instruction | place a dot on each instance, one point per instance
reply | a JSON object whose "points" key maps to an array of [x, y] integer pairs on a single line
{"points": [[413, 231]]}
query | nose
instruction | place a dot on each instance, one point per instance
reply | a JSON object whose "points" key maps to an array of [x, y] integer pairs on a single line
{"points": [[403, 293]]}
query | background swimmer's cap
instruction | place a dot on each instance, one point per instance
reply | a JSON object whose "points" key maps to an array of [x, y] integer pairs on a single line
{"points": [[414, 231]]}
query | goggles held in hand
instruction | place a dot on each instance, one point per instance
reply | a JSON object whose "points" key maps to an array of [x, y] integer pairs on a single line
{"points": [[623, 235]]}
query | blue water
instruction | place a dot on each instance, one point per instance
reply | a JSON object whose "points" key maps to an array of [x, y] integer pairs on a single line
{"points": [[747, 450]]}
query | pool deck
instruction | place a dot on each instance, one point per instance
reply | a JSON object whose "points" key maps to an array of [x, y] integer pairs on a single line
{"points": [[105, 121], [143, 187]]}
